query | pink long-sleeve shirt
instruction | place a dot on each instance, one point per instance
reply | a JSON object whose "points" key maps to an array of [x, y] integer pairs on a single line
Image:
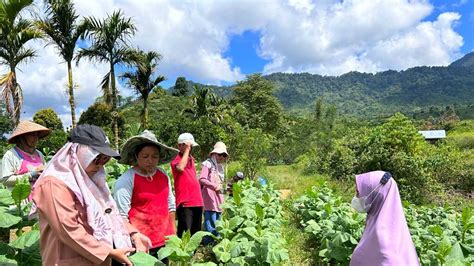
{"points": [[210, 182]]}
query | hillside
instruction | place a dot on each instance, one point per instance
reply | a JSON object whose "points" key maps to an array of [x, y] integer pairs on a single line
{"points": [[466, 61], [415, 90]]}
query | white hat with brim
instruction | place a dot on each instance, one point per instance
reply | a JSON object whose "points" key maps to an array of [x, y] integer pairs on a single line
{"points": [[219, 148], [146, 137], [25, 127], [186, 138]]}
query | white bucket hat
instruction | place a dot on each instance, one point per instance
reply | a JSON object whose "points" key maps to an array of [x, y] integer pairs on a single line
{"points": [[187, 138], [219, 148]]}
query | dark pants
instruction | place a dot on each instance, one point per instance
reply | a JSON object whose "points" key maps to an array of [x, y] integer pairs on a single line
{"points": [[189, 218]]}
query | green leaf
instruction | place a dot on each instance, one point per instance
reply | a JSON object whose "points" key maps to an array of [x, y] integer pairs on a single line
{"points": [[6, 261], [27, 239], [195, 241], [222, 251], [455, 253], [6, 197], [144, 259], [185, 238], [444, 248], [467, 213], [165, 252], [235, 222], [8, 220], [21, 191], [6, 249], [173, 241], [259, 211], [31, 255], [252, 232]]}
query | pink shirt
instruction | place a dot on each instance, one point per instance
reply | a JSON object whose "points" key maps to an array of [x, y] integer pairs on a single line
{"points": [[186, 185], [66, 238], [211, 182]]}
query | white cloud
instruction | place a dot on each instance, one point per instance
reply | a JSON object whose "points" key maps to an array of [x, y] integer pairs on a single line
{"points": [[329, 37], [360, 35], [44, 82]]}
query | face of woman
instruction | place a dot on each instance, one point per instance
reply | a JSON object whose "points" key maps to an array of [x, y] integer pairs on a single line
{"points": [[31, 139], [97, 164], [220, 157], [147, 159]]}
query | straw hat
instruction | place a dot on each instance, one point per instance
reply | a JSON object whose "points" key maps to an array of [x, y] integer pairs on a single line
{"points": [[146, 137], [219, 148], [25, 127]]}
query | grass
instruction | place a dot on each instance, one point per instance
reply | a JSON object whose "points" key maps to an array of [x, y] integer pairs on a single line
{"points": [[290, 177]]}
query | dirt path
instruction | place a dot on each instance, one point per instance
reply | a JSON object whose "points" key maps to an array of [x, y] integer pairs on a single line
{"points": [[284, 193]]}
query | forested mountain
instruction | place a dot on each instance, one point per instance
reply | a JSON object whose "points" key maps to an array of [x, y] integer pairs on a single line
{"points": [[384, 92], [364, 94]]}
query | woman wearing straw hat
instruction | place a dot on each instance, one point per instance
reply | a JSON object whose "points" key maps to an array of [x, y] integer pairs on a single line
{"points": [[212, 183], [143, 193], [24, 158]]}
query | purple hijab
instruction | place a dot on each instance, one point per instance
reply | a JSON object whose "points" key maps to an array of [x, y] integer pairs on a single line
{"points": [[386, 239]]}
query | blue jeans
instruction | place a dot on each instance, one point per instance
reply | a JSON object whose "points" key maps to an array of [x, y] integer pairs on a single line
{"points": [[210, 218]]}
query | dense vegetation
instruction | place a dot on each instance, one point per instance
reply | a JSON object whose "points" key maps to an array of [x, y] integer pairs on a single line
{"points": [[329, 127], [418, 91], [334, 228]]}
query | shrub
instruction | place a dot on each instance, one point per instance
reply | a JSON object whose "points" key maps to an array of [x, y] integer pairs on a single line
{"points": [[48, 118], [100, 114], [253, 150], [53, 142], [397, 147]]}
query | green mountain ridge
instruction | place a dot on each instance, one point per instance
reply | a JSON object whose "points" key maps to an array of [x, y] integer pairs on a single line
{"points": [[366, 94]]}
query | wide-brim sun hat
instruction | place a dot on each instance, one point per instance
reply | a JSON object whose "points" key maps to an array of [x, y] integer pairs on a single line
{"points": [[187, 138], [25, 127], [146, 137], [219, 148], [94, 137]]}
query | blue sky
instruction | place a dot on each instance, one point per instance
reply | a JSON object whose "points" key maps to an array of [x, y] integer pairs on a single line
{"points": [[465, 27], [243, 51], [220, 42]]}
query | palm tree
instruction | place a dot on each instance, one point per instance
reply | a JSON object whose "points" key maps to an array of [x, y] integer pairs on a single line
{"points": [[142, 79], [15, 32], [109, 38], [205, 103], [62, 30]]}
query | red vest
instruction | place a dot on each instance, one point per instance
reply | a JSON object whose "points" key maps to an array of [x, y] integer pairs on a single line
{"points": [[149, 211]]}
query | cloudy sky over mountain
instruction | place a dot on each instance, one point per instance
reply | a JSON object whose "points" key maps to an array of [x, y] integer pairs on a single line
{"points": [[219, 42]]}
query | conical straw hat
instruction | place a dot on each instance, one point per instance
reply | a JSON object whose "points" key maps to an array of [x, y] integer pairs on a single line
{"points": [[25, 127]]}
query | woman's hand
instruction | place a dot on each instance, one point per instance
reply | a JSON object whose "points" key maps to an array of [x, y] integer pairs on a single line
{"points": [[141, 241], [120, 255], [173, 220]]}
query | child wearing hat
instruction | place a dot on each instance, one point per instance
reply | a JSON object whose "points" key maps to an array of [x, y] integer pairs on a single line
{"points": [[186, 186], [212, 183], [24, 159]]}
